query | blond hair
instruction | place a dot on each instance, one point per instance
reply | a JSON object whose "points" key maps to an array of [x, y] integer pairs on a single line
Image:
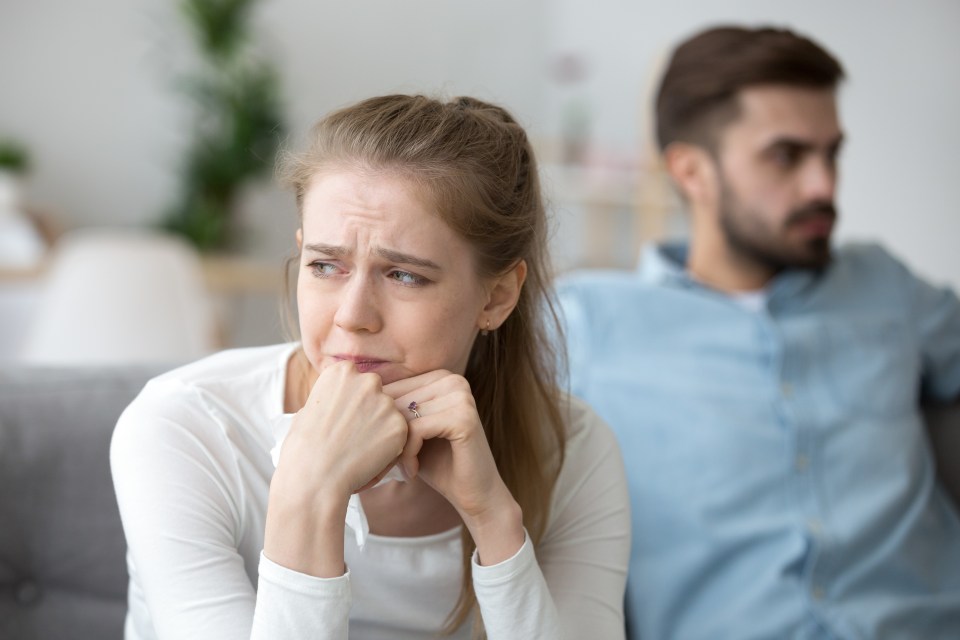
{"points": [[475, 164]]}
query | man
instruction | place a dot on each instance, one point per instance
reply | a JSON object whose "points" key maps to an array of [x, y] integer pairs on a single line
{"points": [[765, 386]]}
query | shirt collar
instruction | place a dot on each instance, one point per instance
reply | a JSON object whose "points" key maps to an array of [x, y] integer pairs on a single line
{"points": [[666, 264]]}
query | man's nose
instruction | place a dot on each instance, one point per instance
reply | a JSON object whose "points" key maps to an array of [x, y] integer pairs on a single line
{"points": [[358, 308], [819, 179]]}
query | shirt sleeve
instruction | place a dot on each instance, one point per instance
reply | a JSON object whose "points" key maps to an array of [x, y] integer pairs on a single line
{"points": [[573, 587], [938, 327], [178, 488]]}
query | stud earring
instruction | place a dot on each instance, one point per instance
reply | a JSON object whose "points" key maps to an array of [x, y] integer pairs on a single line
{"points": [[486, 332]]}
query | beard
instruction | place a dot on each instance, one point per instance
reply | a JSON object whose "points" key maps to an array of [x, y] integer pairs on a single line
{"points": [[751, 238]]}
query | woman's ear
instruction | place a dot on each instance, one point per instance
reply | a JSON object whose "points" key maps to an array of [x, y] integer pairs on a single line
{"points": [[299, 239], [503, 296]]}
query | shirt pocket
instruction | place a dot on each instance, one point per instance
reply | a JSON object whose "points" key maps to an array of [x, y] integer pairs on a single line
{"points": [[872, 366]]}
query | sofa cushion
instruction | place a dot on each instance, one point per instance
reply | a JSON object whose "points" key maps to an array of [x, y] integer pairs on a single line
{"points": [[62, 565]]}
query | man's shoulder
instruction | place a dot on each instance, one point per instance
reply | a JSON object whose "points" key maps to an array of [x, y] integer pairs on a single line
{"points": [[870, 260], [869, 270], [600, 287]]}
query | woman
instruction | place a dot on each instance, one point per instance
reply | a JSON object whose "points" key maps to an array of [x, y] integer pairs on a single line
{"points": [[421, 289]]}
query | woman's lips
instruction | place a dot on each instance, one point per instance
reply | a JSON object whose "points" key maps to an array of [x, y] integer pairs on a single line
{"points": [[363, 364]]}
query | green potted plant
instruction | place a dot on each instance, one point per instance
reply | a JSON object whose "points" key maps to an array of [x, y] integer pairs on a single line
{"points": [[238, 125], [21, 246], [14, 158]]}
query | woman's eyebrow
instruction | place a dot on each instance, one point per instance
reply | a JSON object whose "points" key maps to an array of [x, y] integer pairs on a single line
{"points": [[336, 251], [406, 258], [331, 250]]}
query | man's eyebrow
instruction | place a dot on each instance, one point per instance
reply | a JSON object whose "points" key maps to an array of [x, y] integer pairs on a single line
{"points": [[802, 144], [335, 251], [784, 141]]}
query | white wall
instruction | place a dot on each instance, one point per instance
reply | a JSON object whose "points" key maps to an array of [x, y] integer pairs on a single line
{"points": [[901, 103], [88, 86]]}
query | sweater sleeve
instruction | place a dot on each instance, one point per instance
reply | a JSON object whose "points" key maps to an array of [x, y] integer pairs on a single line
{"points": [[295, 605], [182, 506], [573, 586]]}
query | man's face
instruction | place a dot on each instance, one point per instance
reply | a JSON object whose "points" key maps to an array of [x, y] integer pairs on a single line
{"points": [[777, 177]]}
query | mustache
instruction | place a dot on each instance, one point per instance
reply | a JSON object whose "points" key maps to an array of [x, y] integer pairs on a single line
{"points": [[818, 209]]}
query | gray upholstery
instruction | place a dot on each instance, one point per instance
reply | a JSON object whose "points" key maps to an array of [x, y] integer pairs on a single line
{"points": [[62, 568]]}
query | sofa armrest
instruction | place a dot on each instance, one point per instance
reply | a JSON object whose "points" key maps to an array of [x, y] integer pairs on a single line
{"points": [[944, 426]]}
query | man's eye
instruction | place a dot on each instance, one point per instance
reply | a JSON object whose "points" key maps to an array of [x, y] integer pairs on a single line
{"points": [[833, 155], [407, 278], [785, 156], [323, 269]]}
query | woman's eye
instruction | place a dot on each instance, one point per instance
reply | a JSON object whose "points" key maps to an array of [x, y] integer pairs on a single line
{"points": [[323, 269], [407, 278]]}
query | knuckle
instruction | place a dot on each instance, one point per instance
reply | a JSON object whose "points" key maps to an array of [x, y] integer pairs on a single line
{"points": [[369, 381]]}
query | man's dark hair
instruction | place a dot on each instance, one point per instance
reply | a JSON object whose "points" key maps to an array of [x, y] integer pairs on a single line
{"points": [[698, 92]]}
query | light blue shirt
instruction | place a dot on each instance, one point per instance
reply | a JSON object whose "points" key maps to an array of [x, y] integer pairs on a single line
{"points": [[781, 480]]}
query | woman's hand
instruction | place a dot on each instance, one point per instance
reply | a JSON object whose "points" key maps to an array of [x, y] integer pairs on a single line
{"points": [[346, 437], [447, 447]]}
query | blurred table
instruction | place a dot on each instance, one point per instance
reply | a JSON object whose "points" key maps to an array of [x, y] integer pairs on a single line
{"points": [[246, 292], [223, 274], [238, 275]]}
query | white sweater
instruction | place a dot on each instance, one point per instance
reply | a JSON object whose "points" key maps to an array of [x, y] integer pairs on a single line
{"points": [[191, 466]]}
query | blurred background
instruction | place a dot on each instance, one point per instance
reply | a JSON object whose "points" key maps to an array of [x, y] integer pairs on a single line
{"points": [[116, 117]]}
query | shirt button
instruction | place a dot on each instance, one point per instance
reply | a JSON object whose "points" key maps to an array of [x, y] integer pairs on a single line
{"points": [[818, 593], [814, 527], [786, 389], [801, 462]]}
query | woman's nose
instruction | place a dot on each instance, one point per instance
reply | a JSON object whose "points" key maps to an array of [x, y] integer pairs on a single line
{"points": [[358, 308]]}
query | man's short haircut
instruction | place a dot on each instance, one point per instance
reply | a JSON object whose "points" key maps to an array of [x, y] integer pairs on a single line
{"points": [[699, 90]]}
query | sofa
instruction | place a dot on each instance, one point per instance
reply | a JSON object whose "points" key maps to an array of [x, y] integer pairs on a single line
{"points": [[62, 568]]}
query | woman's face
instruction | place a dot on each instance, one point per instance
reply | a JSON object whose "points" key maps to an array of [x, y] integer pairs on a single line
{"points": [[383, 281]]}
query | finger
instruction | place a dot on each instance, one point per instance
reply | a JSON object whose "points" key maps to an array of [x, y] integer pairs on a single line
{"points": [[430, 407], [377, 478], [408, 385], [336, 373], [440, 395], [432, 388], [408, 457]]}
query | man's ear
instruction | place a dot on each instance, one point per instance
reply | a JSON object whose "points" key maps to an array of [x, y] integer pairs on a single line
{"points": [[503, 296], [693, 171]]}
